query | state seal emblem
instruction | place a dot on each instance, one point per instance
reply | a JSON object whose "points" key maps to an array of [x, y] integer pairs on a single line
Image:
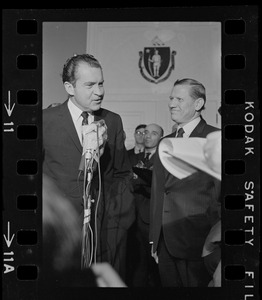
{"points": [[156, 63]]}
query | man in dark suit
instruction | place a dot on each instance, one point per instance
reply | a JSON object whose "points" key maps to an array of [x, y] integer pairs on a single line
{"points": [[135, 153], [112, 211], [145, 272], [182, 212]]}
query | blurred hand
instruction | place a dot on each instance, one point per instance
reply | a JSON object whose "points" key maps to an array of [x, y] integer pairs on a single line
{"points": [[61, 216], [135, 176], [154, 254], [212, 151], [107, 276]]}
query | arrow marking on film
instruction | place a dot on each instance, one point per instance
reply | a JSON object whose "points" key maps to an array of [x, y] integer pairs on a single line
{"points": [[7, 239], [8, 108]]}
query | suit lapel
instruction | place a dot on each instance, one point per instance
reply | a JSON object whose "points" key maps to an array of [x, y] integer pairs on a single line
{"points": [[198, 131], [68, 124], [173, 134]]}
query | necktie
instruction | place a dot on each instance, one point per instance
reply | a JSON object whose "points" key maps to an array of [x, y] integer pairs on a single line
{"points": [[147, 156], [84, 114], [180, 132]]}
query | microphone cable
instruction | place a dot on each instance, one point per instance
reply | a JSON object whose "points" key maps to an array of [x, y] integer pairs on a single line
{"points": [[99, 194], [87, 244]]}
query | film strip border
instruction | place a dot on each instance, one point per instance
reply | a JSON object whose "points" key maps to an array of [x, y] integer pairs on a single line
{"points": [[240, 225], [22, 144]]}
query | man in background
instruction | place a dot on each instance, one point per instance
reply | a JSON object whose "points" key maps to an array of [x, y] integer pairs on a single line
{"points": [[112, 209], [145, 272], [182, 212], [133, 153]]}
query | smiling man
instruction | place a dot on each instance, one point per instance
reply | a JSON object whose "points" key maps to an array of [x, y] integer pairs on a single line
{"points": [[62, 142], [182, 212]]}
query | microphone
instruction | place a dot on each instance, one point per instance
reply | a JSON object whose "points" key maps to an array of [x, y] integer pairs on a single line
{"points": [[94, 138]]}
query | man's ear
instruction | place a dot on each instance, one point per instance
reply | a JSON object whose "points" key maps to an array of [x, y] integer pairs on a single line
{"points": [[199, 103], [69, 88]]}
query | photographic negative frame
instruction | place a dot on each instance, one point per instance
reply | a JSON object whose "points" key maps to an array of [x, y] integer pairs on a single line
{"points": [[22, 95]]}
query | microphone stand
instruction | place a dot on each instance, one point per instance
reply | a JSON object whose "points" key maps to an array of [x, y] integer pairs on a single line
{"points": [[87, 233], [91, 156]]}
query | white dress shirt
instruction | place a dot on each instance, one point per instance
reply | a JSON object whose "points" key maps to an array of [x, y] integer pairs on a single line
{"points": [[77, 118], [189, 127]]}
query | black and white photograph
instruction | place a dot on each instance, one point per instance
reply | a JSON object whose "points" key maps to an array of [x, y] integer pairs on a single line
{"points": [[135, 146], [161, 74]]}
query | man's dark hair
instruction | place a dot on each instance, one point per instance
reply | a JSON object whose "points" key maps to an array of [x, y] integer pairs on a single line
{"points": [[197, 89], [70, 67], [140, 126]]}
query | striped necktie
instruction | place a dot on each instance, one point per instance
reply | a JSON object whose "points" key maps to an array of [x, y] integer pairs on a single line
{"points": [[84, 114]]}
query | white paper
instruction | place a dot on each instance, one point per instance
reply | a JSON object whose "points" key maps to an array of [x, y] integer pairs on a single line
{"points": [[183, 156]]}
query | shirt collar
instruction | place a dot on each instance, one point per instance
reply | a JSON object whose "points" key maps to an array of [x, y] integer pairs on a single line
{"points": [[151, 151], [74, 110], [190, 126]]}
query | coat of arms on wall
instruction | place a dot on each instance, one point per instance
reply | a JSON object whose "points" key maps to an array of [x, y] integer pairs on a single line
{"points": [[156, 63]]}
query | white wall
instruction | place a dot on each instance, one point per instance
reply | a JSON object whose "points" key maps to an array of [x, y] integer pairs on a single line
{"points": [[60, 41], [117, 46]]}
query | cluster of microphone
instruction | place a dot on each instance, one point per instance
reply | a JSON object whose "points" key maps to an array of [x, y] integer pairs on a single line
{"points": [[94, 138]]}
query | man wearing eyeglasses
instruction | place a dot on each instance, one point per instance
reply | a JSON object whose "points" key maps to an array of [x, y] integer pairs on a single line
{"points": [[145, 272], [134, 153]]}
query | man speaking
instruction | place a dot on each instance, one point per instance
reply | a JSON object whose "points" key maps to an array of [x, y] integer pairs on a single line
{"points": [[63, 148]]}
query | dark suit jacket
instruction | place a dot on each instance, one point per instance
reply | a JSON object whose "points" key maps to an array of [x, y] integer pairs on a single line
{"points": [[142, 190], [134, 157], [62, 155], [184, 209]]}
